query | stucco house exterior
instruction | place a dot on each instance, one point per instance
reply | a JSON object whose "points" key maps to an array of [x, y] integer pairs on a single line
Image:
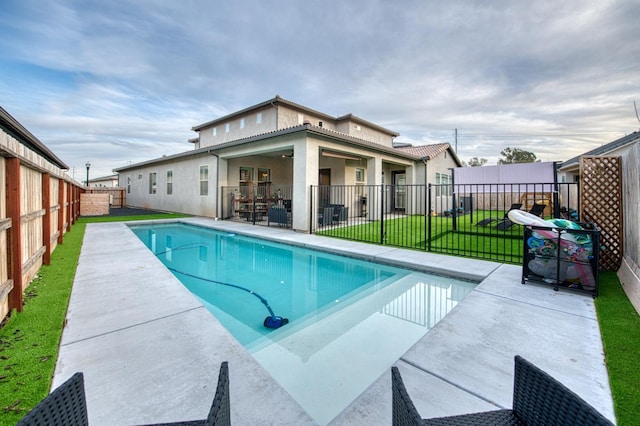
{"points": [[110, 181], [279, 146]]}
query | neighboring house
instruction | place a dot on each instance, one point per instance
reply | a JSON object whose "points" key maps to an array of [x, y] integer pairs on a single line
{"points": [[104, 182], [279, 144], [628, 149], [569, 171]]}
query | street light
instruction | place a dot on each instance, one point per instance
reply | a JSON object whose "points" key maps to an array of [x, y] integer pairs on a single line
{"points": [[88, 165]]}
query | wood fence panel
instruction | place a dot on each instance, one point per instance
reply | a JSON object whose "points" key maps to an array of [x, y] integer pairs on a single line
{"points": [[6, 284], [62, 211], [54, 211], [31, 219]]}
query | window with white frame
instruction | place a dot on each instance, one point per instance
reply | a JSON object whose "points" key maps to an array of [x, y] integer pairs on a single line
{"points": [[259, 118], [152, 183], [242, 123], [215, 131], [359, 175], [128, 185], [227, 127], [169, 182], [204, 180]]}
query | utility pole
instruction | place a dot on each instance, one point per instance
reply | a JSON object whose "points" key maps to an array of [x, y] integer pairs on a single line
{"points": [[456, 141]]}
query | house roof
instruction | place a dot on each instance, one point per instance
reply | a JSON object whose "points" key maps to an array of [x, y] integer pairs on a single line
{"points": [[601, 150], [17, 130], [429, 151], [319, 131], [302, 108]]}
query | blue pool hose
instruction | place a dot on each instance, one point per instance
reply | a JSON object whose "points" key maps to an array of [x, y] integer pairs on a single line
{"points": [[272, 321]]}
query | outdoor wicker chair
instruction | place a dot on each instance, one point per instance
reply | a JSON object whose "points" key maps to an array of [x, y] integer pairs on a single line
{"points": [[65, 406], [538, 399], [220, 412]]}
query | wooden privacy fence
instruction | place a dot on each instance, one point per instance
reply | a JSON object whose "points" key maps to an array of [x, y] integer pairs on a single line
{"points": [[38, 205]]}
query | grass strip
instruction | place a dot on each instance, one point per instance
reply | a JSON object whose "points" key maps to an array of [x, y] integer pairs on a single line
{"points": [[30, 340], [620, 329]]}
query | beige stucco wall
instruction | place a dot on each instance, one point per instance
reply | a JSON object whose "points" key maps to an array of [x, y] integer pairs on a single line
{"points": [[186, 196], [236, 131]]}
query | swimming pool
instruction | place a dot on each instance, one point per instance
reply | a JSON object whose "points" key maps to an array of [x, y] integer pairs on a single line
{"points": [[349, 319]]}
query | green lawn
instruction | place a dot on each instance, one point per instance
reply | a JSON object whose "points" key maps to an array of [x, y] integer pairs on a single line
{"points": [[29, 341], [465, 238], [620, 328]]}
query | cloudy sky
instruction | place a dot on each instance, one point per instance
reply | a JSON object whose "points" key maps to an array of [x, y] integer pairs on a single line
{"points": [[120, 81]]}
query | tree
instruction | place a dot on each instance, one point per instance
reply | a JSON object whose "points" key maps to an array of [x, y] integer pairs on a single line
{"points": [[477, 162], [517, 155]]}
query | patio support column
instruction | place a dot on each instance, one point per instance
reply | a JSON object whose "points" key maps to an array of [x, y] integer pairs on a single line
{"points": [[374, 180], [305, 174]]}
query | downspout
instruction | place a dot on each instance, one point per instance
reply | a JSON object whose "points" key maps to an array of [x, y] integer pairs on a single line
{"points": [[217, 216]]}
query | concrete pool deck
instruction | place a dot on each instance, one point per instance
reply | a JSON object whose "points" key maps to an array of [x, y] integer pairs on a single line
{"points": [[130, 329]]}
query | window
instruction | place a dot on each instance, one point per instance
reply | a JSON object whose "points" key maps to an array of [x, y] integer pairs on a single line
{"points": [[359, 175], [215, 131], [264, 175], [139, 176], [169, 182], [300, 118], [242, 123], [227, 127], [259, 118], [246, 174], [128, 185], [442, 182], [445, 185], [204, 180], [152, 183]]}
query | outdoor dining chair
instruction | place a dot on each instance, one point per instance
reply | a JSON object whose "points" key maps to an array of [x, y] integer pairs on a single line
{"points": [[220, 412], [506, 223], [65, 406], [538, 399]]}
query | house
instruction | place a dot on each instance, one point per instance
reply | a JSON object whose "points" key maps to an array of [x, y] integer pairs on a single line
{"points": [[276, 150], [110, 181], [628, 149]]}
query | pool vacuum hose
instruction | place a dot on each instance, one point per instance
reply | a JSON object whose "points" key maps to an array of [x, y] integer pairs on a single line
{"points": [[273, 321]]}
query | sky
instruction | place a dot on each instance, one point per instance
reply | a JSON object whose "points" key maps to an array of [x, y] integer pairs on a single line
{"points": [[118, 82]]}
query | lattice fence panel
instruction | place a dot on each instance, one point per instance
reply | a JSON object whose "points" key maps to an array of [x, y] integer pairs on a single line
{"points": [[601, 203]]}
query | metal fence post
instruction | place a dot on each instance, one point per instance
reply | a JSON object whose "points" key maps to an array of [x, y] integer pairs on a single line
{"points": [[428, 245], [382, 213]]}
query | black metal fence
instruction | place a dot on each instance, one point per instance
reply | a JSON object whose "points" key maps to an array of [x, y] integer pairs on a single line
{"points": [[463, 220]]}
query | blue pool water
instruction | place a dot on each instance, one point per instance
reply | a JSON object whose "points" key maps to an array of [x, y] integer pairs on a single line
{"points": [[347, 317]]}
